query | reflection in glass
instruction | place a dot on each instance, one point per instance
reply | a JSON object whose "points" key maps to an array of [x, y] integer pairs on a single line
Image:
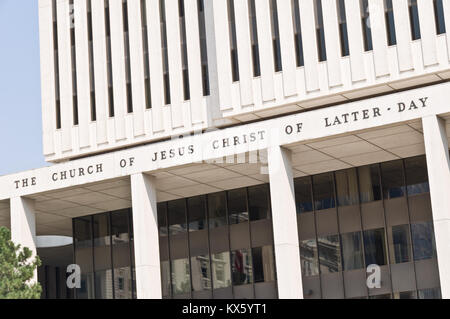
{"points": [[217, 210], [352, 254], [417, 176], [401, 241], [392, 179], [83, 256], [102, 257], [433, 293], [177, 217], [423, 240], [369, 183], [165, 278], [221, 270], [375, 247], [258, 202], [237, 206], [201, 273], [347, 187], [241, 266], [162, 219], [263, 264], [309, 258], [197, 213], [329, 254], [324, 191], [405, 295], [303, 195], [181, 282]]}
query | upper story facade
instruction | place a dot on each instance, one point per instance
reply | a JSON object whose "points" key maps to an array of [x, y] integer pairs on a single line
{"points": [[118, 73]]}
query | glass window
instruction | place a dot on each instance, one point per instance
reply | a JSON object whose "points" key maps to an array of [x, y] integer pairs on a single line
{"points": [[241, 265], [201, 273], [401, 241], [367, 32], [233, 41], [275, 36], [177, 217], [324, 191], [303, 196], [352, 254], [258, 202], [369, 183], [165, 278], [263, 264], [405, 295], [181, 281], [203, 47], [102, 257], [414, 19], [423, 241], [298, 34], [390, 22], [309, 257], [254, 38], [416, 176], [217, 210], [375, 247], [393, 179], [329, 254], [433, 293], [121, 255], [237, 206], [197, 213], [345, 51], [83, 256], [439, 16], [221, 270], [347, 187], [320, 33], [162, 219]]}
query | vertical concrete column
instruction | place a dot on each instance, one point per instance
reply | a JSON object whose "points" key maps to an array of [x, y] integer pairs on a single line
{"points": [[284, 215], [436, 146], [23, 224], [146, 240]]}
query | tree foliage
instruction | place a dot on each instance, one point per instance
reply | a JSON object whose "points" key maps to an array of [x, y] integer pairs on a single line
{"points": [[17, 269]]}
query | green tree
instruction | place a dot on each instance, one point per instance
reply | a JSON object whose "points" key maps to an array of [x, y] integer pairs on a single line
{"points": [[17, 269]]}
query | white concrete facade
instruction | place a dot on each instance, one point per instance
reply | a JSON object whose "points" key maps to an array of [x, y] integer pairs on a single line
{"points": [[348, 111]]}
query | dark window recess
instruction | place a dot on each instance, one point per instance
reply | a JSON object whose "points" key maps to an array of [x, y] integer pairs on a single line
{"points": [[108, 58], [203, 47], [74, 64], [343, 33], [254, 38], [320, 33], [365, 20], [276, 36], [144, 25], [165, 55], [390, 23], [91, 62], [126, 39], [439, 16], [298, 34], [56, 66], [233, 41], [414, 19], [184, 54]]}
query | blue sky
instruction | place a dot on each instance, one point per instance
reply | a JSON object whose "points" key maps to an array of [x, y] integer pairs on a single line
{"points": [[20, 97]]}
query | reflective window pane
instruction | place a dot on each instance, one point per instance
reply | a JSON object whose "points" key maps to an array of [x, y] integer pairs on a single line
{"points": [[197, 213], [303, 195], [347, 187], [329, 254], [181, 281], [165, 278], [217, 210], [83, 256], [221, 270], [237, 206], [324, 191], [162, 219], [258, 202], [375, 247], [433, 293], [241, 265], [423, 241], [201, 273], [352, 254], [309, 258], [401, 242], [417, 176], [102, 257], [369, 183], [393, 179], [177, 217], [263, 264]]}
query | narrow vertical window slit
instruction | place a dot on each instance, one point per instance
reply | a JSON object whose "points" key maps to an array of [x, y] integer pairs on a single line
{"points": [[233, 41], [144, 25], [276, 36]]}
